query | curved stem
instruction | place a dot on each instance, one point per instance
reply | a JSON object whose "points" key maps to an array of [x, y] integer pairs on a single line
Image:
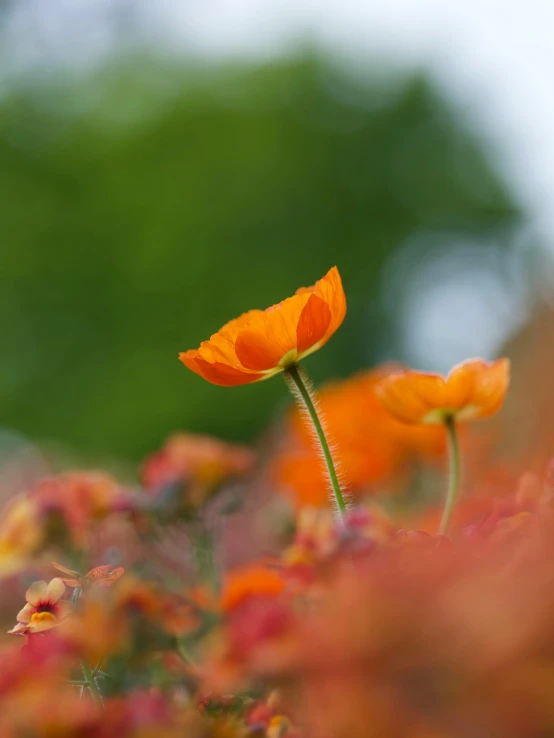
{"points": [[300, 387], [454, 476]]}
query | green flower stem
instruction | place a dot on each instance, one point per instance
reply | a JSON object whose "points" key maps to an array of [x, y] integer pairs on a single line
{"points": [[303, 392], [454, 475], [92, 686]]}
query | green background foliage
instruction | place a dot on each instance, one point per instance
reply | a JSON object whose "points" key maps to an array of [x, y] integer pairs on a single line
{"points": [[144, 207]]}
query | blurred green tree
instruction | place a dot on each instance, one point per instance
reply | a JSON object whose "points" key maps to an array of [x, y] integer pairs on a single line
{"points": [[144, 207]]}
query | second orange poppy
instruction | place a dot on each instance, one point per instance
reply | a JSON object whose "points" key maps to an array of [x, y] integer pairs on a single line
{"points": [[473, 389]]}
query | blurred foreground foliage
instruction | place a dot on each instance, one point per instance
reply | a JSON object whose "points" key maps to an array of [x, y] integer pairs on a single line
{"points": [[147, 205]]}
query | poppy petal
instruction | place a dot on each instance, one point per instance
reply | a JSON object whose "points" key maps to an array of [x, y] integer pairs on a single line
{"points": [[409, 396], [220, 349], [271, 335], [218, 373], [491, 387], [257, 351], [461, 383], [330, 289], [313, 324]]}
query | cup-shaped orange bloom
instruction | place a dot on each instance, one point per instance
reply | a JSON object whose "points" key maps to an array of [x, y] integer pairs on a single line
{"points": [[262, 343], [473, 389]]}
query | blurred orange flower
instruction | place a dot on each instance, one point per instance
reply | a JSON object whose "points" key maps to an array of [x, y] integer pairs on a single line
{"points": [[262, 343], [473, 389], [253, 580], [201, 460], [43, 609]]}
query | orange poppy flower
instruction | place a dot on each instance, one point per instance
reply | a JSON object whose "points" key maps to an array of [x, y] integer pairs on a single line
{"points": [[43, 609], [473, 389], [262, 343]]}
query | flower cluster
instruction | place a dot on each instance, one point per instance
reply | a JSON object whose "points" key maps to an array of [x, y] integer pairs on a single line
{"points": [[390, 576]]}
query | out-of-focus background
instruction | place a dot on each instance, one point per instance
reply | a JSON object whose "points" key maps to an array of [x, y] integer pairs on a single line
{"points": [[166, 166]]}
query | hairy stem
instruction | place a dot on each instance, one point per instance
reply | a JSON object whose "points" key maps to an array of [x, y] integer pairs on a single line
{"points": [[304, 394], [92, 686]]}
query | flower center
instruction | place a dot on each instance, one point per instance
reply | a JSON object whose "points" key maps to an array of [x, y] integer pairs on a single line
{"points": [[43, 617], [46, 607]]}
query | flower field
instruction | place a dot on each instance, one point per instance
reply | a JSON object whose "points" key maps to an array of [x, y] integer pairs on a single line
{"points": [[379, 567]]}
